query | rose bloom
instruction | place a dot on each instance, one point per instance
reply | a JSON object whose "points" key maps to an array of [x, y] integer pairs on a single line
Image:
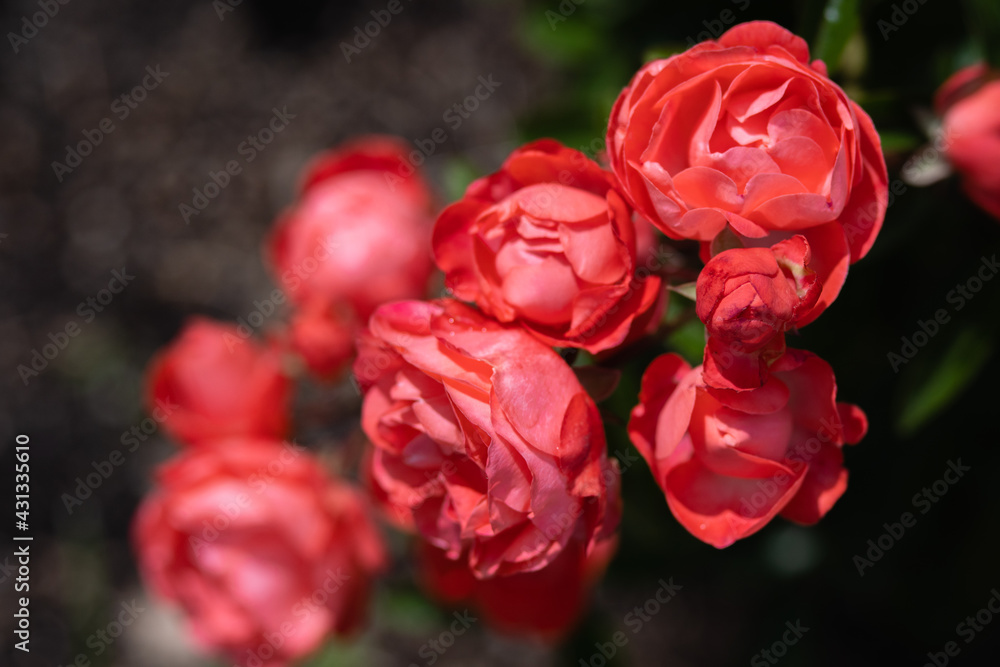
{"points": [[322, 335], [746, 132], [548, 242], [213, 381], [544, 604], [728, 461], [748, 298], [359, 231], [969, 103], [485, 443], [266, 555]]}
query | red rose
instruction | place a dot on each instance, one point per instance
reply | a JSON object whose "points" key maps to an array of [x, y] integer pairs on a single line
{"points": [[729, 461], [266, 555], [543, 604], [748, 298], [323, 336], [547, 242], [211, 382], [484, 441], [970, 104], [360, 230], [746, 131]]}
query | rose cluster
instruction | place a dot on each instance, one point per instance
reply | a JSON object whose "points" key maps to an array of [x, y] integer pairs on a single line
{"points": [[482, 440], [266, 552]]}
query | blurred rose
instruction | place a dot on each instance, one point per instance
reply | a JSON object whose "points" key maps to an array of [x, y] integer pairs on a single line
{"points": [[359, 233], [748, 298], [970, 105], [547, 242], [218, 381], [484, 441], [266, 555], [745, 131], [543, 604], [323, 336], [729, 461]]}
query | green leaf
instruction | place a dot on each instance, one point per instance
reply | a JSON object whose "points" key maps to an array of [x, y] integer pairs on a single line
{"points": [[961, 362], [458, 173], [840, 23], [561, 36], [686, 290], [689, 341], [983, 20], [899, 142], [354, 652]]}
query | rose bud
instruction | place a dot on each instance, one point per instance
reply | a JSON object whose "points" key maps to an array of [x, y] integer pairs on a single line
{"points": [[970, 105], [216, 381], [745, 132], [748, 298], [359, 231], [485, 444], [548, 242], [265, 554], [323, 336], [544, 605], [728, 462]]}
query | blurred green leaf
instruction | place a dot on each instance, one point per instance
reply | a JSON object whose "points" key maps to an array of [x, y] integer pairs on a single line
{"points": [[949, 377], [341, 654], [458, 173], [688, 340], [840, 22], [407, 611], [561, 37], [662, 51], [983, 19], [899, 142]]}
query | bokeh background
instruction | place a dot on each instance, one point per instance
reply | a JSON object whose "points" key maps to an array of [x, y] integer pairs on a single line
{"points": [[560, 65]]}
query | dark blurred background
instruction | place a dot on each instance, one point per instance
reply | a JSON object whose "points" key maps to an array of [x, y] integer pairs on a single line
{"points": [[226, 67]]}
